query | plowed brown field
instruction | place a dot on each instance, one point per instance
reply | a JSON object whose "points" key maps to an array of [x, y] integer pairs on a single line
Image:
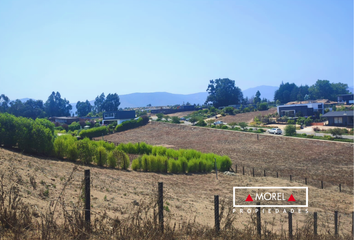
{"points": [[317, 160]]}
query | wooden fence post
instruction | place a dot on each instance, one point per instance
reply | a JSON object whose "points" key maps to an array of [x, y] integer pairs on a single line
{"points": [[264, 173], [277, 175], [290, 225], [290, 177], [87, 200], [160, 205], [321, 184], [305, 181], [315, 223], [216, 213], [259, 220], [253, 172], [336, 223], [340, 187], [243, 170], [352, 223], [236, 168]]}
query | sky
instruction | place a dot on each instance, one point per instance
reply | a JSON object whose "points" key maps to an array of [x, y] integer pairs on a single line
{"points": [[84, 48]]}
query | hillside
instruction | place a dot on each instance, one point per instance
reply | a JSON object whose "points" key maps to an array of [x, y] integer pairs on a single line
{"points": [[121, 194]]}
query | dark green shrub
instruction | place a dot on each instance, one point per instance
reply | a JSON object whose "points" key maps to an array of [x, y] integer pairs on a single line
{"points": [[201, 123], [336, 132], [309, 136], [74, 126], [175, 119], [224, 127], [94, 132], [290, 130], [291, 121]]}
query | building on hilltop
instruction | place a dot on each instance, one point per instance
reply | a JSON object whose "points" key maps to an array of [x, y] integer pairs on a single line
{"points": [[346, 99], [119, 116], [340, 118], [300, 109]]}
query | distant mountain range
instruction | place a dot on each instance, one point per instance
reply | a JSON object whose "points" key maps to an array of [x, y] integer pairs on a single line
{"points": [[164, 98]]}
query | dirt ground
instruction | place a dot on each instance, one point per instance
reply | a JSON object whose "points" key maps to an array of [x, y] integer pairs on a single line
{"points": [[317, 160], [246, 117], [188, 197]]}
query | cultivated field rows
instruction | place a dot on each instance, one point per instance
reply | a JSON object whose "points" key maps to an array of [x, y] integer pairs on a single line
{"points": [[302, 158]]}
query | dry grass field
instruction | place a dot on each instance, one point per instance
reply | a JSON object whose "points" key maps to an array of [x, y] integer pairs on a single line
{"points": [[317, 160], [189, 197]]}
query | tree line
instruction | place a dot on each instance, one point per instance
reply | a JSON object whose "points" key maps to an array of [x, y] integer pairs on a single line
{"points": [[322, 89], [58, 106], [224, 92]]}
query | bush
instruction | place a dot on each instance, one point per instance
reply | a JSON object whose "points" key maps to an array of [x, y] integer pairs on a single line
{"points": [[136, 164], [201, 123], [291, 121], [309, 136], [336, 132], [243, 125], [174, 166], [101, 156], [86, 150], [316, 129], [132, 124], [327, 137], [224, 127], [290, 130], [175, 119], [111, 160], [263, 106], [94, 132], [74, 126], [59, 147], [125, 161]]}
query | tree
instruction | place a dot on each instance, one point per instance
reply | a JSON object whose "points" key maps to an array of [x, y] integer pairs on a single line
{"points": [[290, 130], [201, 123], [83, 108], [166, 117], [33, 109], [243, 125], [210, 121], [223, 92], [257, 99], [336, 132], [4, 103], [56, 106], [159, 116], [111, 103], [232, 124], [175, 119], [263, 106], [98, 104], [287, 92], [193, 119], [322, 89]]}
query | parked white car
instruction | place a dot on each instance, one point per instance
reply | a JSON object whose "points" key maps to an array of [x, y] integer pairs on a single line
{"points": [[275, 131], [218, 123]]}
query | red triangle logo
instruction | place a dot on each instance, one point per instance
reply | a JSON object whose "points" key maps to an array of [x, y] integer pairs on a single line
{"points": [[249, 198], [291, 198]]}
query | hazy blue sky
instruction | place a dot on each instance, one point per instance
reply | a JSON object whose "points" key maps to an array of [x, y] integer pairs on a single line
{"points": [[84, 48]]}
